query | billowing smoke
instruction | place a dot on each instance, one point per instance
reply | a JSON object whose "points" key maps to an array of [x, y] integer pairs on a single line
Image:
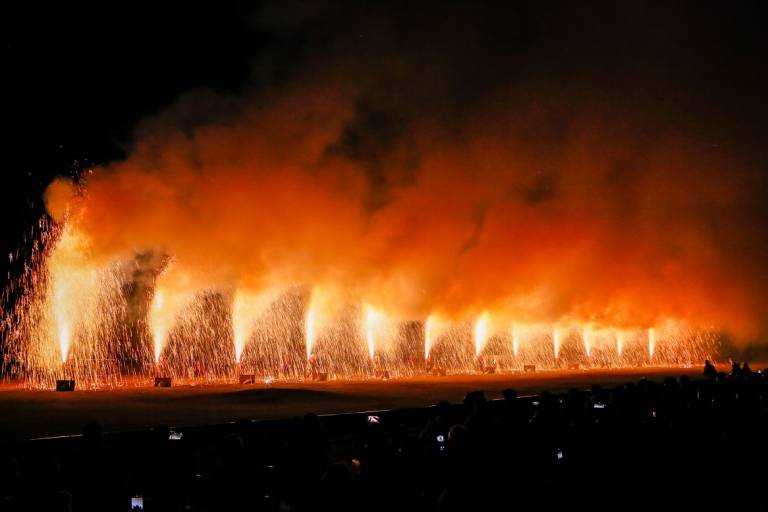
{"points": [[450, 165]]}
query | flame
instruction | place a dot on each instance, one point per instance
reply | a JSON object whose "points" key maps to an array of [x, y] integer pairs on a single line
{"points": [[481, 333]]}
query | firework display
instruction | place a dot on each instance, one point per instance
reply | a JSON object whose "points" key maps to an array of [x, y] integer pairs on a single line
{"points": [[100, 326]]}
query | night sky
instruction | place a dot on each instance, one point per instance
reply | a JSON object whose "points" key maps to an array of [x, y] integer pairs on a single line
{"points": [[80, 83], [77, 80]]}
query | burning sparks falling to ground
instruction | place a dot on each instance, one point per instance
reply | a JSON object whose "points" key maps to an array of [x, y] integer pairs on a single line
{"points": [[78, 325]]}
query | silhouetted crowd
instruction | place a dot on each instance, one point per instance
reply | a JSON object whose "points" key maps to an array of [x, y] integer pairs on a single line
{"points": [[682, 444]]}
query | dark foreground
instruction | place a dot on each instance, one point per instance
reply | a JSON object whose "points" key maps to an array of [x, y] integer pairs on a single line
{"points": [[680, 444], [30, 414]]}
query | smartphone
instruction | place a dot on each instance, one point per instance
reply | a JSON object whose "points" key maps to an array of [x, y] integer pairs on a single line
{"points": [[599, 405], [535, 403], [374, 419], [137, 503], [441, 441], [559, 455], [175, 436]]}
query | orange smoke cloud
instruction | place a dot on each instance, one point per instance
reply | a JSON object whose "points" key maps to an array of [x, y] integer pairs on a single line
{"points": [[597, 224]]}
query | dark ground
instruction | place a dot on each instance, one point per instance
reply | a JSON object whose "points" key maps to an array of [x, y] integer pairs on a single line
{"points": [[32, 413]]}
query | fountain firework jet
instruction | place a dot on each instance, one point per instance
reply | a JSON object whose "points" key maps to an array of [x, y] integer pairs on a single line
{"points": [[428, 326], [619, 344], [651, 342], [247, 309], [556, 342], [64, 341], [166, 307], [586, 338], [373, 321], [159, 325], [515, 340], [481, 332], [309, 330], [74, 284]]}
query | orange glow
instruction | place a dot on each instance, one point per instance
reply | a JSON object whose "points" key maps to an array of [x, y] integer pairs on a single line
{"points": [[489, 224]]}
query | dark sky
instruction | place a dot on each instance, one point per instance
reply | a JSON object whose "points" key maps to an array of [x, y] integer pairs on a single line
{"points": [[76, 81]]}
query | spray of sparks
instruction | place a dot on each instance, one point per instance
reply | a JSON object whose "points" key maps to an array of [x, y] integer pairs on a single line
{"points": [[76, 319]]}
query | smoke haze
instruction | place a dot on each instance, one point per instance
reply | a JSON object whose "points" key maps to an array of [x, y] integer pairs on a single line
{"points": [[503, 159]]}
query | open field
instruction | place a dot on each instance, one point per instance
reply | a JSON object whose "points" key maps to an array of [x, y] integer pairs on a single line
{"points": [[34, 413]]}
